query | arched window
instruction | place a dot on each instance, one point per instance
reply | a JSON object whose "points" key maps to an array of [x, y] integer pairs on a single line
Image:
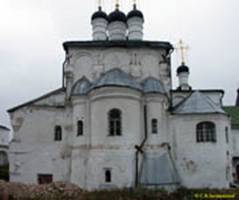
{"points": [[80, 128], [58, 133], [206, 132], [114, 116], [154, 125]]}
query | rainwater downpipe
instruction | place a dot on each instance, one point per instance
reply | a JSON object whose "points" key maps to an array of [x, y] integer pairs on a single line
{"points": [[139, 149]]}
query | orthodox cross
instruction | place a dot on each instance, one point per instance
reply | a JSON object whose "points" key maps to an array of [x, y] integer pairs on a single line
{"points": [[183, 50], [117, 4]]}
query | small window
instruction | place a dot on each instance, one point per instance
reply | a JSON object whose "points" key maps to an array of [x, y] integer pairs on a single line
{"points": [[108, 176], [3, 159], [226, 135], [154, 124], [80, 128], [58, 133], [206, 132], [114, 118], [45, 178]]}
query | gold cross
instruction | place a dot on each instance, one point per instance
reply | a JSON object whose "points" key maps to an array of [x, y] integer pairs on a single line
{"points": [[183, 49]]}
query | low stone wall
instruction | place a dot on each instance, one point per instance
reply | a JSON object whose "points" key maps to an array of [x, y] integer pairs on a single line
{"points": [[58, 190], [67, 191]]}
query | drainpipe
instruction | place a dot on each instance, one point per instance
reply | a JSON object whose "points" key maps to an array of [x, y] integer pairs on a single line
{"points": [[139, 149]]}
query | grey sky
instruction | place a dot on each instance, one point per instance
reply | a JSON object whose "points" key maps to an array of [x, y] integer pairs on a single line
{"points": [[32, 32]]}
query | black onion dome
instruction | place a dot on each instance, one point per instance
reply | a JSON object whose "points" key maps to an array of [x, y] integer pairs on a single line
{"points": [[182, 68], [135, 13], [117, 15], [99, 14]]}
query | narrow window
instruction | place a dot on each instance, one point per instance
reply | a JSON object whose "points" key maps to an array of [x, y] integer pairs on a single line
{"points": [[108, 176], [45, 178], [115, 122], [206, 132], [58, 133], [80, 128], [3, 159], [226, 135], [154, 125]]}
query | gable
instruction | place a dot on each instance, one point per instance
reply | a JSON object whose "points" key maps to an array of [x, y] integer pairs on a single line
{"points": [[54, 98]]}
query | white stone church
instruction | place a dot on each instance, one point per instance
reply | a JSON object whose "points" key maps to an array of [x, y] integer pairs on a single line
{"points": [[117, 122]]}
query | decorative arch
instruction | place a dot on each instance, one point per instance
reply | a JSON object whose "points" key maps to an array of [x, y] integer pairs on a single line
{"points": [[206, 132]]}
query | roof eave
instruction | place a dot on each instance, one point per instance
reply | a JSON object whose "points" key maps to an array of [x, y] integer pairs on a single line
{"points": [[129, 44], [197, 113]]}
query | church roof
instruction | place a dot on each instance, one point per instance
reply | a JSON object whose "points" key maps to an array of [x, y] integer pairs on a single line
{"points": [[123, 44], [99, 14], [81, 87], [37, 99], [117, 15], [233, 111], [119, 78], [182, 68], [135, 13], [116, 77], [197, 103], [153, 85], [4, 128]]}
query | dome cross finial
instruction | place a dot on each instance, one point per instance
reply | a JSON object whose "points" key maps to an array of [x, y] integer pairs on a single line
{"points": [[134, 4], [99, 4], [117, 4], [183, 50]]}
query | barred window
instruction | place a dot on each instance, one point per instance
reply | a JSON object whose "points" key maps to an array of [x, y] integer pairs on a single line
{"points": [[58, 133], [80, 128], [206, 132], [154, 126], [115, 122]]}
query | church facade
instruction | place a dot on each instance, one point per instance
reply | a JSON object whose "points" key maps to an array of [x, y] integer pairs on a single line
{"points": [[117, 121]]}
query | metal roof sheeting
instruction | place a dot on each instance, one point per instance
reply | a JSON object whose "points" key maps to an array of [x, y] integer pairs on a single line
{"points": [[197, 103], [81, 87], [116, 77], [153, 85], [119, 78], [4, 128]]}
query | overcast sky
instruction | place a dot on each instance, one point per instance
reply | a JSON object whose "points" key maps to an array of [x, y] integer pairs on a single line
{"points": [[32, 33]]}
